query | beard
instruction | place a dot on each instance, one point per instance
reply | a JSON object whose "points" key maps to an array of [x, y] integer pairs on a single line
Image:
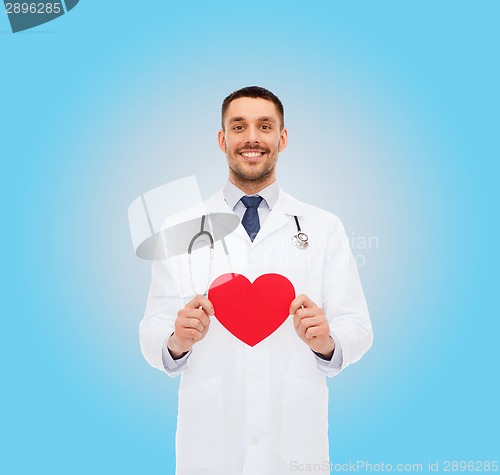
{"points": [[251, 174]]}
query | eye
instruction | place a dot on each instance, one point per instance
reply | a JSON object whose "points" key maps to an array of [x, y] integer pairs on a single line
{"points": [[238, 127], [265, 127]]}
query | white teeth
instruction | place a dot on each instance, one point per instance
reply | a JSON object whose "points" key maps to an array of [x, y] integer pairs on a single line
{"points": [[252, 154]]}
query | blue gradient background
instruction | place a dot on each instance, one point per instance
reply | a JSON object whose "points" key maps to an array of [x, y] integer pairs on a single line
{"points": [[392, 109]]}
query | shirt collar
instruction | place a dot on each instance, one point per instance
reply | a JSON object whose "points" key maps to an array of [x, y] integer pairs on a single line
{"points": [[232, 194]]}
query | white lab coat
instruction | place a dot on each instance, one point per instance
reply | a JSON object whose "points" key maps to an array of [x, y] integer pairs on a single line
{"points": [[260, 410]]}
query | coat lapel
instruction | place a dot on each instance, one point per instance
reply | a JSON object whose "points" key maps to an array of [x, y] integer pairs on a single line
{"points": [[280, 215]]}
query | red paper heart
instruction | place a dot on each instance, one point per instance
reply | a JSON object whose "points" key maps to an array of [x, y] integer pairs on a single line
{"points": [[251, 312]]}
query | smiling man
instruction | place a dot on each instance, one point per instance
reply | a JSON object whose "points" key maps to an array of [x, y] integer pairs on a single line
{"points": [[252, 136], [260, 409]]}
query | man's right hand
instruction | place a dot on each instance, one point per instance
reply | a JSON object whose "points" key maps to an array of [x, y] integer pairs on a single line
{"points": [[191, 325]]}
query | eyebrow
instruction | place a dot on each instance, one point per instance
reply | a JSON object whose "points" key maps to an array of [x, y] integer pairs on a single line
{"points": [[267, 119], [260, 119]]}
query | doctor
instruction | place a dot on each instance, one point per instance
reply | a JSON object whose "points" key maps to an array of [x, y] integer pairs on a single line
{"points": [[260, 410]]}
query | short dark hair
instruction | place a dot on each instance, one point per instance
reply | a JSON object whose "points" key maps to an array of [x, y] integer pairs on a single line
{"points": [[256, 92]]}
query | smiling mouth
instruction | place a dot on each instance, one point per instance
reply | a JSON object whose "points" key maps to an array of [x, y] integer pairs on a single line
{"points": [[252, 154]]}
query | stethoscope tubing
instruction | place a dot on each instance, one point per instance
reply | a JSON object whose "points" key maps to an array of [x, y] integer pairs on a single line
{"points": [[202, 232], [300, 240]]}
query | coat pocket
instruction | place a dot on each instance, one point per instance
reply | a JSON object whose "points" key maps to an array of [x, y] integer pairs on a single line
{"points": [[200, 425], [304, 435]]}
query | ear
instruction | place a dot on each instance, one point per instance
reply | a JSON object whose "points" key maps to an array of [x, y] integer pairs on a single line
{"points": [[283, 140], [221, 139]]}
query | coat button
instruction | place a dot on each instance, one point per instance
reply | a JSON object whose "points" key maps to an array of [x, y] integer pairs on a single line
{"points": [[252, 379]]}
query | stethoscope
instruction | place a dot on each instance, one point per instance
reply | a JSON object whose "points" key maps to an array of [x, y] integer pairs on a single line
{"points": [[300, 240], [190, 250]]}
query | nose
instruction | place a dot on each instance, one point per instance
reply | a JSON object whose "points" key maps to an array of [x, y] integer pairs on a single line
{"points": [[252, 135]]}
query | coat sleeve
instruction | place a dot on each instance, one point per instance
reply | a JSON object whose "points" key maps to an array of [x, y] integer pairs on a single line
{"points": [[163, 303], [344, 302]]}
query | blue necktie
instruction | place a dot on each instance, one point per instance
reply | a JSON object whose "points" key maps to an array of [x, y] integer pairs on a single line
{"points": [[250, 219]]}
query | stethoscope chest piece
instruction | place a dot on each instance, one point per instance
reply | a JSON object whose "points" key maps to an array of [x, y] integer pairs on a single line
{"points": [[300, 240]]}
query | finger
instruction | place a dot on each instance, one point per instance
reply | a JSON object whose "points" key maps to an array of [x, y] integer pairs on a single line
{"points": [[203, 302], [204, 332], [188, 334], [197, 335], [316, 331], [301, 300], [303, 313], [192, 323], [203, 318], [307, 312], [197, 313], [296, 304], [308, 322]]}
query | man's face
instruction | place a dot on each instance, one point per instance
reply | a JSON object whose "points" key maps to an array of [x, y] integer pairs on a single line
{"points": [[251, 139]]}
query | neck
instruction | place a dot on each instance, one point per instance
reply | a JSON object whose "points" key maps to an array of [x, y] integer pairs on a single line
{"points": [[251, 187]]}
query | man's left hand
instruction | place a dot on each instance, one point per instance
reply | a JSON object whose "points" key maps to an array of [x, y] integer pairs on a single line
{"points": [[311, 325]]}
